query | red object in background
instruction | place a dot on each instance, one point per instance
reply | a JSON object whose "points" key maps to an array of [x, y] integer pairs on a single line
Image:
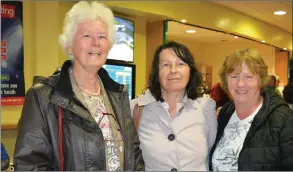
{"points": [[12, 100], [3, 57], [3, 50], [3, 43], [7, 11]]}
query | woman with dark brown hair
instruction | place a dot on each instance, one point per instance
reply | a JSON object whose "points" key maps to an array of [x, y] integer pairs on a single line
{"points": [[176, 126]]}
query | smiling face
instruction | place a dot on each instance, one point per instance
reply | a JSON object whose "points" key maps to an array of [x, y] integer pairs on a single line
{"points": [[243, 85], [90, 44], [174, 73]]}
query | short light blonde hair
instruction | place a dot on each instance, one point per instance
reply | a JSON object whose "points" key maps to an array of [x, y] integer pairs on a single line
{"points": [[254, 62], [80, 12]]}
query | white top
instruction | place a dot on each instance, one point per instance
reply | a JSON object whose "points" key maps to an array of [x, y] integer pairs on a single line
{"points": [[194, 128], [225, 157]]}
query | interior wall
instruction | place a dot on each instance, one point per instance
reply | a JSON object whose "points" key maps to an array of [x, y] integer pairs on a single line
{"points": [[155, 31], [282, 67], [213, 54]]}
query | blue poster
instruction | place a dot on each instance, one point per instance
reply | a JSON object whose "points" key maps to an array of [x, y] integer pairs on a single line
{"points": [[12, 70]]}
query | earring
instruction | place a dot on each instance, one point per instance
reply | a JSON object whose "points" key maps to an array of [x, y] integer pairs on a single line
{"points": [[70, 55]]}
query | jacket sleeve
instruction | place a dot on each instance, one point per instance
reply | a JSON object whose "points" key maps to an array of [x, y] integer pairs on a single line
{"points": [[286, 143], [137, 163], [209, 110], [32, 150], [138, 159]]}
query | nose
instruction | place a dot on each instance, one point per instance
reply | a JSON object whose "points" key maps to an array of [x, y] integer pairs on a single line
{"points": [[173, 68], [241, 82], [96, 41]]}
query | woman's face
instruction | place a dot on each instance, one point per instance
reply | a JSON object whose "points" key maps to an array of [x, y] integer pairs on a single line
{"points": [[174, 73], [243, 85], [90, 45]]}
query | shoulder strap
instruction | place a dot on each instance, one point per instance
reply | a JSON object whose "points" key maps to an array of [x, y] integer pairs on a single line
{"points": [[137, 113], [60, 139]]}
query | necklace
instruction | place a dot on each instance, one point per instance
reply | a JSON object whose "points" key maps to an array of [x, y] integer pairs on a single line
{"points": [[94, 94]]}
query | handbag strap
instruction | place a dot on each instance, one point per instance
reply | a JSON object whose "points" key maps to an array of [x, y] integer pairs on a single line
{"points": [[60, 138], [137, 113]]}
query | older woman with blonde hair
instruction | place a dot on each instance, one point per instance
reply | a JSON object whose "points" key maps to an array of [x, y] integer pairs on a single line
{"points": [[79, 119], [255, 129]]}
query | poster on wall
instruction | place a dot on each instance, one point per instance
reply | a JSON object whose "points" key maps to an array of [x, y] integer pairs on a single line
{"points": [[12, 68]]}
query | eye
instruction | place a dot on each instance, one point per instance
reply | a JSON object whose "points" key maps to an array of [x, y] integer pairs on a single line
{"points": [[86, 35], [234, 76], [249, 77], [165, 64], [102, 36], [182, 63]]}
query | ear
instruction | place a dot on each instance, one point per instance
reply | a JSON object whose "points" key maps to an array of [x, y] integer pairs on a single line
{"points": [[69, 49]]}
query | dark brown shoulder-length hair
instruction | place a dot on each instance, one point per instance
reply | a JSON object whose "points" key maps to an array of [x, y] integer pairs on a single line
{"points": [[185, 55]]}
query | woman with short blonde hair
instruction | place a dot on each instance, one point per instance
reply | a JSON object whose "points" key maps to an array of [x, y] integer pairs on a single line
{"points": [[255, 129], [79, 118]]}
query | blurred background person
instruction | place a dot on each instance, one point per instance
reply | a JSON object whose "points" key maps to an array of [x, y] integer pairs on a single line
{"points": [[79, 119], [288, 94], [219, 95], [176, 126], [255, 129], [272, 84]]}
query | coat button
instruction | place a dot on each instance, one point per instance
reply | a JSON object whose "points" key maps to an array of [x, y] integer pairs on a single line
{"points": [[174, 169], [171, 137]]}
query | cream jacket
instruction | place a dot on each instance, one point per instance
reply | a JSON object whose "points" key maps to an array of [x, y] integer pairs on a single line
{"points": [[182, 143]]}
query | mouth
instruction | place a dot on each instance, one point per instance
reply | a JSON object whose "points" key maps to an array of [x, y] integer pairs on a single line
{"points": [[174, 79], [95, 53], [241, 91]]}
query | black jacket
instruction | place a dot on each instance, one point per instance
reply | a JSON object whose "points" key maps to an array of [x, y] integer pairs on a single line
{"points": [[268, 144], [37, 145]]}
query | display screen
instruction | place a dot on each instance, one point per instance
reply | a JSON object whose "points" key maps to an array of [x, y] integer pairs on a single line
{"points": [[122, 49], [123, 74]]}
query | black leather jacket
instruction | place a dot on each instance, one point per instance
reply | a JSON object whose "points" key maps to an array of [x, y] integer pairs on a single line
{"points": [[37, 145]]}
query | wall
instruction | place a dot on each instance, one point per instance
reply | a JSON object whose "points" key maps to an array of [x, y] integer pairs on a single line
{"points": [[282, 67], [42, 53], [213, 54], [155, 31]]}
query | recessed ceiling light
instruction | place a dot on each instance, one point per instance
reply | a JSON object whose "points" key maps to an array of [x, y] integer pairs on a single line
{"points": [[279, 13], [263, 41], [235, 37], [190, 31], [183, 21], [284, 48]]}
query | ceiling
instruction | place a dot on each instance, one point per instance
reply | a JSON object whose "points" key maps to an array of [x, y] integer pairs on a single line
{"points": [[178, 30], [258, 9], [264, 11]]}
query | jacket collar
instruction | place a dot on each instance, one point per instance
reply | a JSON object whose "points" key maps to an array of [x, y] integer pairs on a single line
{"points": [[64, 86], [63, 93], [148, 98]]}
